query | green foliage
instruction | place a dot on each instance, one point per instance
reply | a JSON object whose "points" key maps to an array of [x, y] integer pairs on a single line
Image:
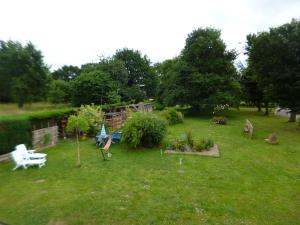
{"points": [[203, 144], [93, 87], [93, 114], [23, 74], [203, 77], [14, 131], [46, 139], [172, 116], [60, 91], [144, 129], [189, 138], [274, 65], [141, 81], [66, 73], [178, 144], [220, 120], [77, 123]]}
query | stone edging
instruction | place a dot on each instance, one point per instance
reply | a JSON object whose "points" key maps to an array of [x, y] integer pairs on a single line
{"points": [[5, 157]]}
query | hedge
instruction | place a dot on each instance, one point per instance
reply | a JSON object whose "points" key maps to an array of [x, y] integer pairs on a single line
{"points": [[17, 129], [14, 131]]}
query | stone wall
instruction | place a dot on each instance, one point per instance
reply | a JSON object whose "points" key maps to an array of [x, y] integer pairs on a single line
{"points": [[45, 137]]}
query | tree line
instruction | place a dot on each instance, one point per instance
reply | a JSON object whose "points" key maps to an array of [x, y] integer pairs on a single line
{"points": [[202, 76]]}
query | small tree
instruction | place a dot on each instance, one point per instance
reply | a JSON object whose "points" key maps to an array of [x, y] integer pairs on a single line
{"points": [[76, 124], [93, 114]]}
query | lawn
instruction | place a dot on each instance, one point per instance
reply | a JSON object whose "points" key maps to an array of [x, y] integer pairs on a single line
{"points": [[12, 108], [251, 183]]}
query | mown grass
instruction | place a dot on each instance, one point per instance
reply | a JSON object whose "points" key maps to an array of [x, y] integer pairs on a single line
{"points": [[251, 183], [12, 108]]}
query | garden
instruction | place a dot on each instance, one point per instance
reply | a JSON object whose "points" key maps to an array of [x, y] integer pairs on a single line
{"points": [[252, 182], [122, 140]]}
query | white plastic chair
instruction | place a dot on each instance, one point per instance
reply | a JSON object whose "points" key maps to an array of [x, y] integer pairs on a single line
{"points": [[29, 154], [21, 160]]}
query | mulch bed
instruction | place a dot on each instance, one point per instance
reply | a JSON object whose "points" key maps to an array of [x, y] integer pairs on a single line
{"points": [[213, 152]]}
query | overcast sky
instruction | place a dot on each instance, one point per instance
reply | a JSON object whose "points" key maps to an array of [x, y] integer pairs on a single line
{"points": [[77, 32]]}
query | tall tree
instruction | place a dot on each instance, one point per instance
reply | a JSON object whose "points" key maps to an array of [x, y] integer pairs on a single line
{"points": [[275, 63], [142, 80], [207, 76], [251, 91], [285, 43], [168, 93], [93, 87], [66, 73], [260, 60], [23, 74]]}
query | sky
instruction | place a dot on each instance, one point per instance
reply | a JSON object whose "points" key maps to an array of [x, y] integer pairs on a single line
{"points": [[75, 32]]}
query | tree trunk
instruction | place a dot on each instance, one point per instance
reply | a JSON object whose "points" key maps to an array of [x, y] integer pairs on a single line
{"points": [[78, 151], [292, 116], [267, 109], [20, 104], [259, 107]]}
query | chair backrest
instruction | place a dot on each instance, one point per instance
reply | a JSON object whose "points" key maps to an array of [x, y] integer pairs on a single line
{"points": [[17, 157], [22, 151]]}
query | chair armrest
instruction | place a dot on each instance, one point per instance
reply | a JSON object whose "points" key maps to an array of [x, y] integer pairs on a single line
{"points": [[31, 151]]}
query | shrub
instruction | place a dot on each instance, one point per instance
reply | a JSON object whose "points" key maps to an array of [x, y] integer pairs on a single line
{"points": [[93, 114], [172, 116], [60, 91], [220, 120], [204, 144], [14, 131], [178, 144], [189, 138], [144, 129]]}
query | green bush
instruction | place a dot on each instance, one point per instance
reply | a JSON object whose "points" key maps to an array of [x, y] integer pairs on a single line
{"points": [[178, 144], [13, 132], [144, 129], [172, 116], [204, 144]]}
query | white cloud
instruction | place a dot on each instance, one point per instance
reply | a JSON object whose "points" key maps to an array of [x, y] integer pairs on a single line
{"points": [[77, 32]]}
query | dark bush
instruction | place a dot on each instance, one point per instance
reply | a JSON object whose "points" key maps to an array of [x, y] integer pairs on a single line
{"points": [[204, 144], [172, 116], [144, 129], [14, 132], [220, 120]]}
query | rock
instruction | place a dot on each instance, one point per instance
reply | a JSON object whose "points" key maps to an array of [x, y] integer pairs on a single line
{"points": [[272, 139]]}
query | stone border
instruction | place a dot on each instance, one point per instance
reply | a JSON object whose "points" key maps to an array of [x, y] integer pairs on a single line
{"points": [[5, 157], [214, 152]]}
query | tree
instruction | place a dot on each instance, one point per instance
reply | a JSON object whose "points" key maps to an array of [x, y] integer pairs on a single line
{"points": [[207, 76], [275, 63], [93, 87], [77, 124], [260, 60], [168, 92], [23, 74], [142, 80], [250, 88], [285, 43], [66, 73], [60, 91]]}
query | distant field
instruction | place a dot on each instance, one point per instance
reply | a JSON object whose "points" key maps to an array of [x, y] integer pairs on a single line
{"points": [[12, 108]]}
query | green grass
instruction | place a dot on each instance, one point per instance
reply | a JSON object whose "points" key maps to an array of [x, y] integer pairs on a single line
{"points": [[251, 183], [12, 108]]}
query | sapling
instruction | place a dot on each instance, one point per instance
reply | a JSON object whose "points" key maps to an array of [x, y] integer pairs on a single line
{"points": [[77, 124]]}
